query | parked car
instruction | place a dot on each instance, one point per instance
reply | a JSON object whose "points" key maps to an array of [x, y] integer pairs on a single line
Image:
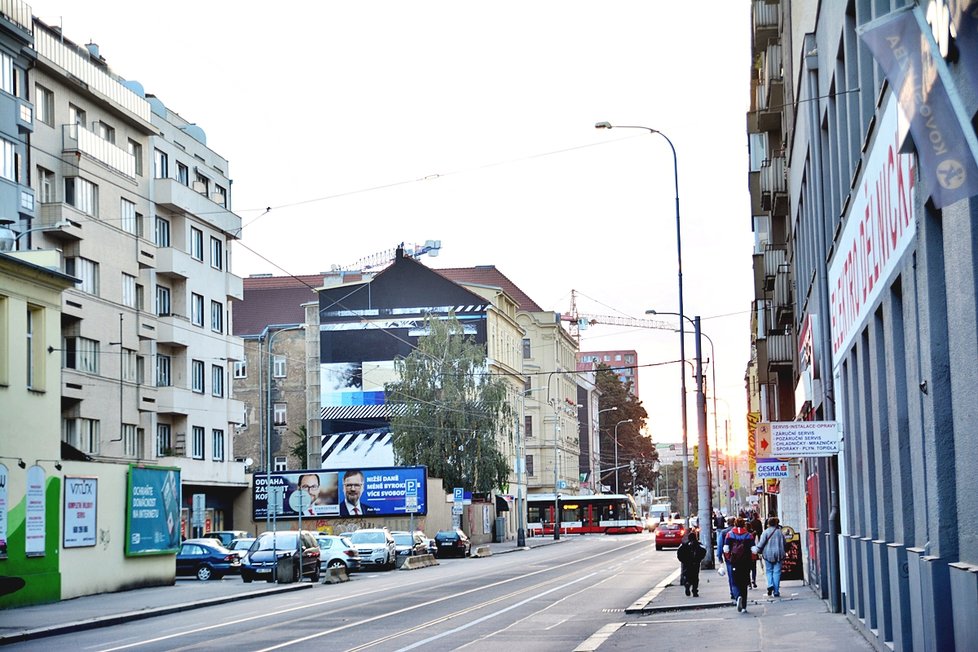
{"points": [[263, 555], [336, 551], [240, 546], [669, 534], [453, 542], [226, 536], [206, 559], [376, 547], [409, 544]]}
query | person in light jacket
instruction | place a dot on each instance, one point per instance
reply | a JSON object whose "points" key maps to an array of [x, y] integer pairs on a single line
{"points": [[771, 548]]}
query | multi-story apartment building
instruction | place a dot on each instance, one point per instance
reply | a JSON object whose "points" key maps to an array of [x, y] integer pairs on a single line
{"points": [[624, 362], [139, 205], [864, 159]]}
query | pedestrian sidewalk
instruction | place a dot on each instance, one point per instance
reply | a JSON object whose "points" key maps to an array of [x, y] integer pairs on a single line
{"points": [[93, 611], [798, 620]]}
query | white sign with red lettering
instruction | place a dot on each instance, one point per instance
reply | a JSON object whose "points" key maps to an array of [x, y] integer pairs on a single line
{"points": [[797, 439], [879, 229]]}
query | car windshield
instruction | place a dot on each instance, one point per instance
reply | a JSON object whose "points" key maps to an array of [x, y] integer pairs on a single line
{"points": [[446, 534], [403, 540], [281, 542], [368, 537], [240, 544], [325, 543]]}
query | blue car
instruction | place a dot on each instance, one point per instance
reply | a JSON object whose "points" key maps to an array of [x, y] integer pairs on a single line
{"points": [[206, 559]]}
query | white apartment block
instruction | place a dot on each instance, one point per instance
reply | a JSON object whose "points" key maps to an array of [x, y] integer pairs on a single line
{"points": [[140, 207]]}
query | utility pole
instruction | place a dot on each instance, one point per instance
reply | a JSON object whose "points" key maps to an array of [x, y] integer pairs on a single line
{"points": [[703, 474]]}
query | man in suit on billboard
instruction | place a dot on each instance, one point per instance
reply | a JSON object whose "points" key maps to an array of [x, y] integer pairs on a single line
{"points": [[352, 504]]}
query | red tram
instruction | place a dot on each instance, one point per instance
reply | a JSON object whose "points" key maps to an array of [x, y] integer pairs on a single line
{"points": [[606, 513]]}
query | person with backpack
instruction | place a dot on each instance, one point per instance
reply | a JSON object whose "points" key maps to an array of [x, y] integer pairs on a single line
{"points": [[771, 549], [737, 550], [690, 554]]}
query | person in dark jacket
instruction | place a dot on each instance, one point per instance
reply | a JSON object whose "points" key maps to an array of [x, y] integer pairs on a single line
{"points": [[691, 552], [728, 570], [737, 550]]}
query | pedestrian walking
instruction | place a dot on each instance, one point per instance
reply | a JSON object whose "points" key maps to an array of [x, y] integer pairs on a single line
{"points": [[691, 552], [721, 535], [737, 549], [756, 528], [771, 549]]}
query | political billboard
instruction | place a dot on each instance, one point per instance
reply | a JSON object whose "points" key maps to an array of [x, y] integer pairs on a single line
{"points": [[152, 511], [325, 493]]}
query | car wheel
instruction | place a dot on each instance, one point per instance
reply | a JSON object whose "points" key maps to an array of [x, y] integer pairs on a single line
{"points": [[658, 547], [296, 573], [315, 575], [205, 573], [247, 579]]}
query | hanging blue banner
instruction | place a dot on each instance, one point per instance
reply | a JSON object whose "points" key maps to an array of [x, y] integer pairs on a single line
{"points": [[901, 43]]}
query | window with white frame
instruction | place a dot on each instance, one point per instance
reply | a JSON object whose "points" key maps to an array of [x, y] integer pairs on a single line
{"points": [[196, 243], [80, 354], [129, 367], [183, 174], [34, 349], [161, 165], [86, 270], [217, 444], [44, 105], [77, 116], [104, 131], [240, 369], [162, 301], [162, 370], [217, 316], [132, 440], [217, 380], [278, 366], [82, 194], [197, 376], [281, 463], [8, 160], [81, 433], [217, 253], [162, 232], [140, 297], [222, 195], [197, 443], [196, 309], [127, 216], [137, 154], [279, 413], [164, 440], [203, 183], [7, 73], [128, 290], [45, 185]]}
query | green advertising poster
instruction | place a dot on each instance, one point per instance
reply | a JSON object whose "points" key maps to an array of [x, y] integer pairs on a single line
{"points": [[152, 511]]}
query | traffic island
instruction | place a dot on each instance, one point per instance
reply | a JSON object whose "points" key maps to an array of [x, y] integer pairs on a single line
{"points": [[418, 561]]}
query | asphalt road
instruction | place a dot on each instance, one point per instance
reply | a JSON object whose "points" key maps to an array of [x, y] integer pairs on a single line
{"points": [[550, 598]]}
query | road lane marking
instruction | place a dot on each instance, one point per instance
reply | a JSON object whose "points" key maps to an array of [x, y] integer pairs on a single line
{"points": [[599, 637], [656, 590]]}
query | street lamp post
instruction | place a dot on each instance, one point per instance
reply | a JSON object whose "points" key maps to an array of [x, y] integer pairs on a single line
{"points": [[616, 451], [682, 333]]}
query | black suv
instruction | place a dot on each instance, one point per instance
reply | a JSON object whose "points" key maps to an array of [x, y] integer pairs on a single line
{"points": [[263, 554], [453, 542]]}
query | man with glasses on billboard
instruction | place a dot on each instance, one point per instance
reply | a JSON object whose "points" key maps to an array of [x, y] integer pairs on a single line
{"points": [[352, 504]]}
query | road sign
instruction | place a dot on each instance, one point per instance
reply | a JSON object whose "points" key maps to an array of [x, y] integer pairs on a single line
{"points": [[410, 504], [458, 494], [798, 439], [200, 510], [457, 509]]}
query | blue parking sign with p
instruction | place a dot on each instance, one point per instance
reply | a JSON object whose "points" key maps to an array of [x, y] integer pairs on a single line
{"points": [[459, 494]]}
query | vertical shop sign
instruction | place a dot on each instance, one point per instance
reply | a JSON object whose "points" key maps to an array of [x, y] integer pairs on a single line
{"points": [[34, 525]]}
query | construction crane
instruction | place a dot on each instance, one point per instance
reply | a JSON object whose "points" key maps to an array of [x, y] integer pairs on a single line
{"points": [[384, 258], [580, 321]]}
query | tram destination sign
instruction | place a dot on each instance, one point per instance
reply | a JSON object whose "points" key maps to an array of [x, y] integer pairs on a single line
{"points": [[797, 439]]}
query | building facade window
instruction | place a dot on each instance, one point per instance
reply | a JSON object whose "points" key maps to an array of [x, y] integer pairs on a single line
{"points": [[217, 316], [82, 194], [196, 243], [217, 380], [104, 131], [137, 154], [240, 369], [162, 301], [221, 195], [162, 232], [279, 414], [45, 185], [8, 160], [77, 116], [197, 376], [278, 366], [197, 443], [131, 441], [83, 434], [202, 184], [35, 347], [217, 445], [183, 174], [164, 440], [80, 354], [161, 165], [526, 348], [44, 105], [197, 309], [129, 365], [162, 370], [528, 425], [529, 465], [217, 253], [128, 290], [127, 216], [86, 270]]}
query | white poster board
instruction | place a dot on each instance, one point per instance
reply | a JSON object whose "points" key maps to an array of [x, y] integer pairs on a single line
{"points": [[81, 507]]}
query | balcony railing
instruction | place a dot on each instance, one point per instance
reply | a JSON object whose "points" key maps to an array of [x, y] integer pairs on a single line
{"points": [[17, 12], [764, 22], [779, 350], [775, 256], [78, 138], [48, 46]]}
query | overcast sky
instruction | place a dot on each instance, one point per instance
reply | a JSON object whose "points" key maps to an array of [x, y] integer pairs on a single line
{"points": [[365, 124]]}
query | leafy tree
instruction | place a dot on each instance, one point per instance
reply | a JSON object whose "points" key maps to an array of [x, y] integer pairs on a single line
{"points": [[299, 448], [633, 446], [446, 411]]}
